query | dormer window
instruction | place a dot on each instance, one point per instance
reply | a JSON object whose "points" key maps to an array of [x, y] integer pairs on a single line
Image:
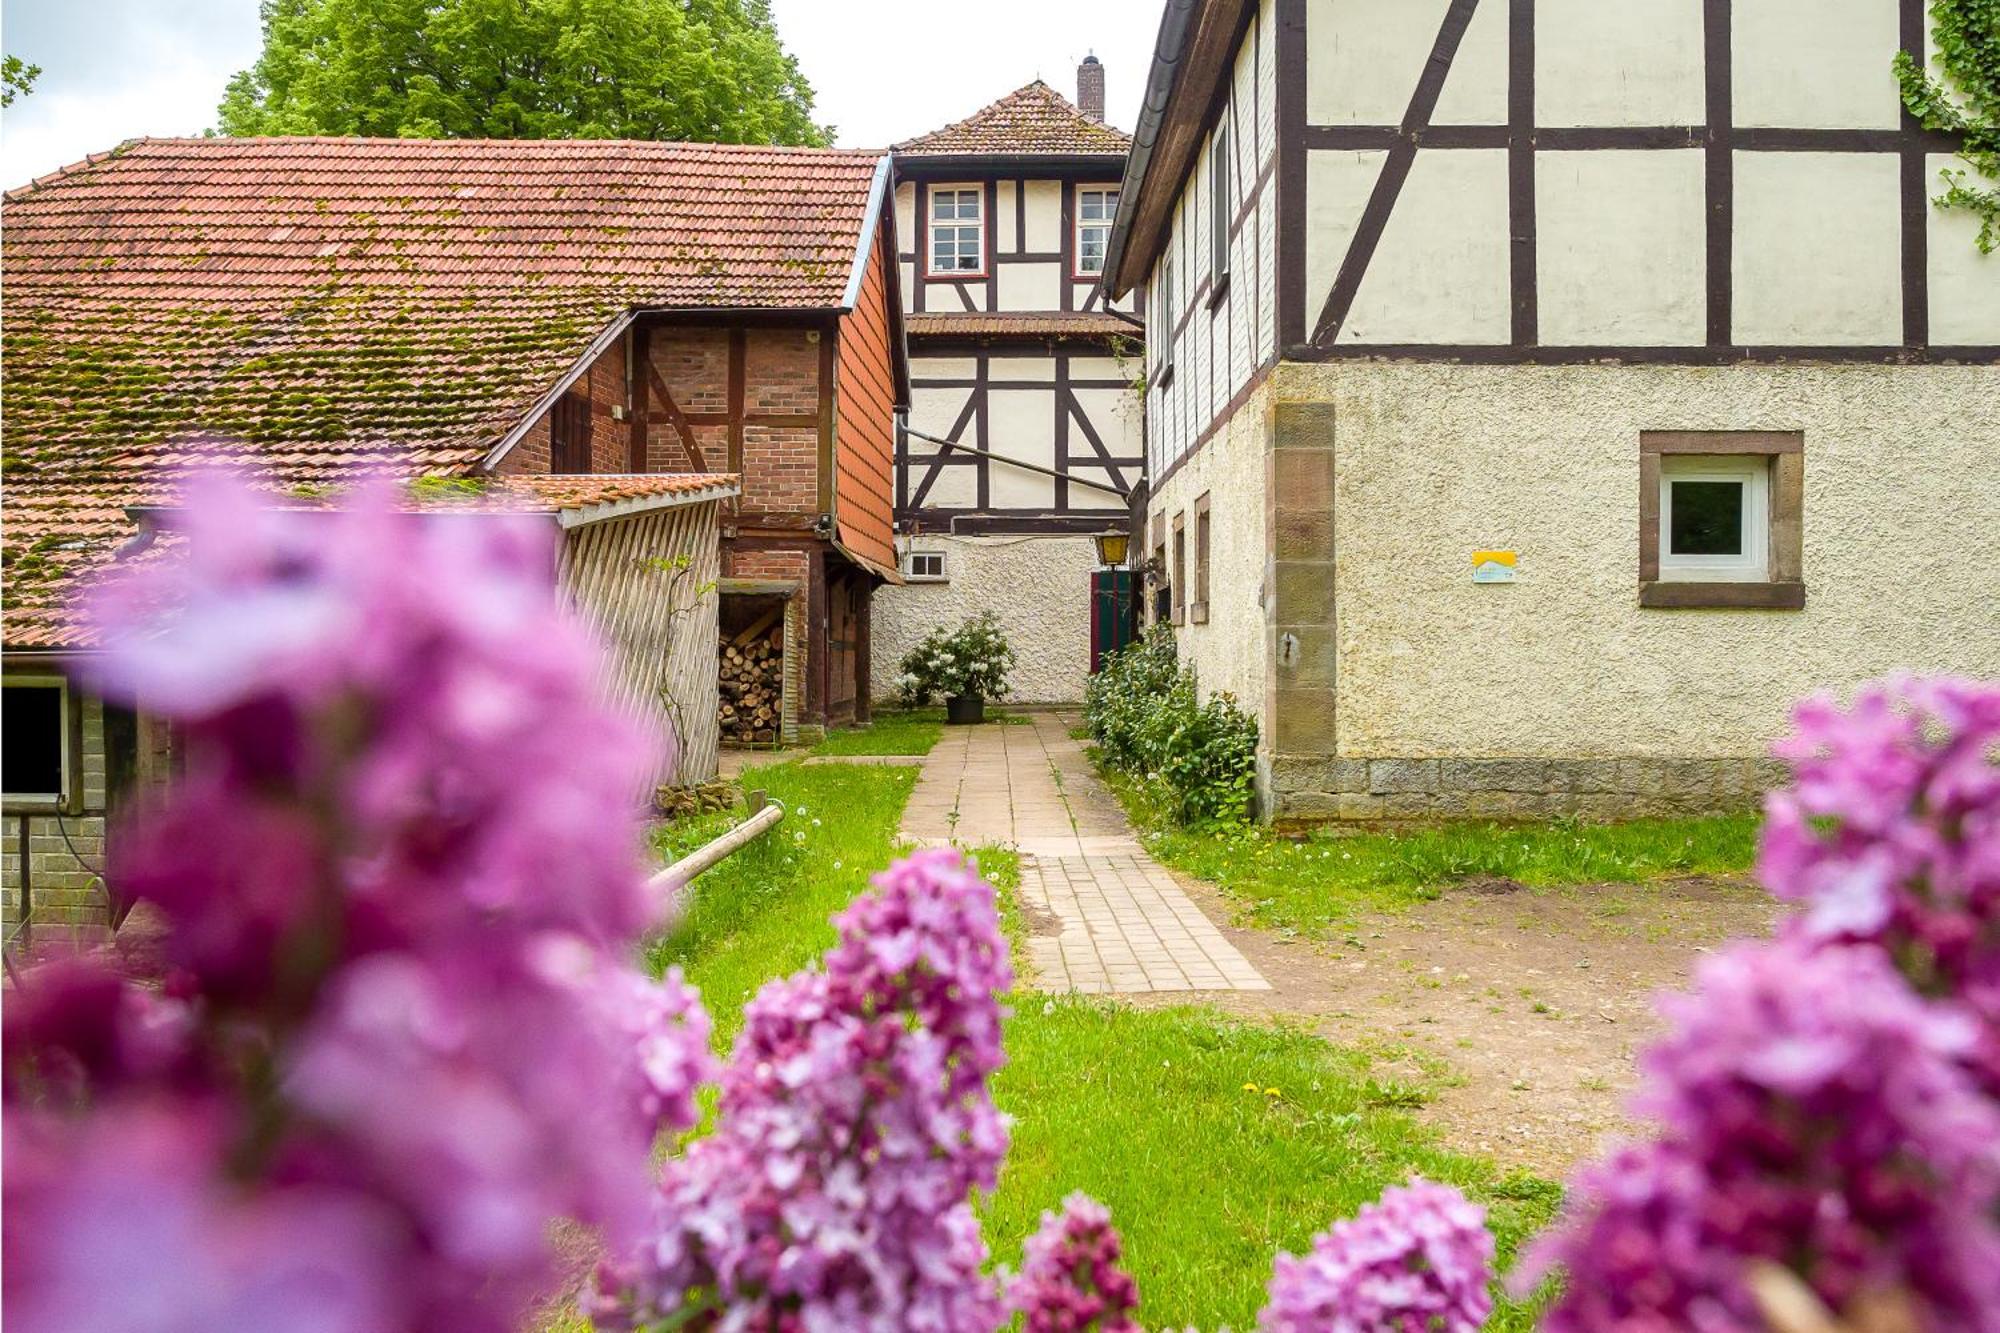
{"points": [[1096, 209], [958, 232]]}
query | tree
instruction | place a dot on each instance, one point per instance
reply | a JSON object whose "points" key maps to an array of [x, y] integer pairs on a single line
{"points": [[17, 78], [1967, 33], [709, 70]]}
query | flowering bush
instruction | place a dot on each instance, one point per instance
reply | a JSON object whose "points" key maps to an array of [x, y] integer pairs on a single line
{"points": [[1826, 1101], [971, 661], [1070, 1281], [1146, 714], [399, 879], [1417, 1260]]}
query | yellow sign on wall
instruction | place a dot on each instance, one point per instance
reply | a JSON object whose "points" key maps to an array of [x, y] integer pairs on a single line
{"points": [[1493, 566]]}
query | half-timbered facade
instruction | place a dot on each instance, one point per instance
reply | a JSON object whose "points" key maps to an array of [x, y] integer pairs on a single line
{"points": [[1543, 393], [1024, 432]]}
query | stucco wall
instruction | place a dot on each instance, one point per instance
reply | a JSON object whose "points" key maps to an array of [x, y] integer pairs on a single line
{"points": [[1433, 461], [1040, 586], [1228, 653]]}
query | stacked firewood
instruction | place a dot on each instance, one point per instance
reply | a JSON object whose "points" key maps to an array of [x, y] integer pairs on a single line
{"points": [[753, 683]]}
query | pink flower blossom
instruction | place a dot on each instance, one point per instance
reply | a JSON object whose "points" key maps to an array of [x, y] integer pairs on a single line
{"points": [[1814, 1112], [856, 1121], [1070, 1281], [1415, 1262], [400, 888]]}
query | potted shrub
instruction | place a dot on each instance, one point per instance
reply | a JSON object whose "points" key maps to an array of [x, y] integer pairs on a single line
{"points": [[965, 667]]}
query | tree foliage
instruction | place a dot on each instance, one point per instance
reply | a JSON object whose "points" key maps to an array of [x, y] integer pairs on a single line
{"points": [[1967, 33], [17, 78], [709, 70]]}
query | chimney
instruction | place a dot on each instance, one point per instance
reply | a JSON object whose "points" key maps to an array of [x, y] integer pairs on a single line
{"points": [[1090, 89]]}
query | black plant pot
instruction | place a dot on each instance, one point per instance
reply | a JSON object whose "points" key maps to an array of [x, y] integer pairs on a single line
{"points": [[963, 710]]}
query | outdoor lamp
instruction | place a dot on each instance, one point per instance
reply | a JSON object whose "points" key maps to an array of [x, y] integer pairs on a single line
{"points": [[1111, 547]]}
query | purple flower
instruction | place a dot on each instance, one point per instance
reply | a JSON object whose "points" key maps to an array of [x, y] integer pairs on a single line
{"points": [[856, 1121], [400, 886], [1814, 1112], [1070, 1281], [1890, 834], [1415, 1262]]}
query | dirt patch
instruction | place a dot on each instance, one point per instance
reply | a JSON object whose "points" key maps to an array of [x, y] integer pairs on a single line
{"points": [[1040, 920], [1528, 1004]]}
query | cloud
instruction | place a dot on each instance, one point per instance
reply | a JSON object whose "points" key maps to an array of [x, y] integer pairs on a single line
{"points": [[116, 69]]}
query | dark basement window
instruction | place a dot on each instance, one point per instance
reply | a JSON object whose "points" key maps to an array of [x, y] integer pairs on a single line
{"points": [[33, 741]]}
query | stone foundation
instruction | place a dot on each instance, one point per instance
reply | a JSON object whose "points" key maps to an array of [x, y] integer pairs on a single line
{"points": [[1301, 789]]}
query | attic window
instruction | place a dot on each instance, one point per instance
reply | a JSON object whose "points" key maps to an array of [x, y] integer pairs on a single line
{"points": [[1095, 211], [958, 233]]}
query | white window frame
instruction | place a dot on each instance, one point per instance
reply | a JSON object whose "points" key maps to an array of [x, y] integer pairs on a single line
{"points": [[1109, 192], [976, 224], [46, 801], [1753, 472], [910, 572]]}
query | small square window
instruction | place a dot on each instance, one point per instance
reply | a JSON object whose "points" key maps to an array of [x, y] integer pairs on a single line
{"points": [[1712, 518], [1721, 519], [924, 566]]}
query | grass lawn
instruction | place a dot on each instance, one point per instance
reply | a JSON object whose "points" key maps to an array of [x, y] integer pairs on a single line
{"points": [[1148, 1110], [1312, 886], [893, 731]]}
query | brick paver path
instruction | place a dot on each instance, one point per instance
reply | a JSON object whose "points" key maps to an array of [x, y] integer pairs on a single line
{"points": [[1110, 918]]}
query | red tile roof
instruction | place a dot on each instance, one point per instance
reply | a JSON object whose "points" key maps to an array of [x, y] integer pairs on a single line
{"points": [[325, 305], [1052, 324], [57, 537], [1032, 120], [324, 298]]}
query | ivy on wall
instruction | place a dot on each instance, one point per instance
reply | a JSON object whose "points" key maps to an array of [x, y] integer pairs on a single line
{"points": [[1967, 33]]}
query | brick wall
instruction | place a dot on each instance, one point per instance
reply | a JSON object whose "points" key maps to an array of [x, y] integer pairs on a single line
{"points": [[780, 470], [62, 874], [610, 440]]}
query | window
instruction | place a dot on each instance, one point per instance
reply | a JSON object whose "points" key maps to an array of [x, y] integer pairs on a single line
{"points": [[924, 566], [1180, 569], [958, 232], [1219, 214], [35, 754], [1161, 335], [569, 434], [1095, 210], [1719, 519], [1198, 609]]}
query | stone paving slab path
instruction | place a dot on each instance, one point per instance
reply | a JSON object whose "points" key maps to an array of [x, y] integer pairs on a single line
{"points": [[1107, 917]]}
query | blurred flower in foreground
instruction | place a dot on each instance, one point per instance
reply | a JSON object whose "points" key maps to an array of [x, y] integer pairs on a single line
{"points": [[856, 1121], [1070, 1281], [1418, 1259], [400, 879]]}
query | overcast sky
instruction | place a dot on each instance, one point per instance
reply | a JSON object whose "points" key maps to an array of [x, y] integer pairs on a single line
{"points": [[883, 70]]}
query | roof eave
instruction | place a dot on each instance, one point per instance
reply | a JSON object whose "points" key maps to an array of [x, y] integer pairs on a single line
{"points": [[932, 164], [578, 516], [1178, 24]]}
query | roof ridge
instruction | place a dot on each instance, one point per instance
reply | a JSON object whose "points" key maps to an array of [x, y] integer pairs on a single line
{"points": [[1026, 97], [88, 161], [455, 142]]}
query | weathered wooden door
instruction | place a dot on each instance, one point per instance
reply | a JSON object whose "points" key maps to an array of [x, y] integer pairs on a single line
{"points": [[843, 644]]}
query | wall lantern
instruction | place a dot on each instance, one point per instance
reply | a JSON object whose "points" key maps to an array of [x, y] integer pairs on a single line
{"points": [[1112, 546]]}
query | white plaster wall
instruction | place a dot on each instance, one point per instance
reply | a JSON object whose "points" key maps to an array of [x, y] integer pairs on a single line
{"points": [[1229, 652], [1440, 272], [1005, 239], [1814, 64], [1618, 62], [1620, 246], [1363, 57], [1964, 284], [1040, 586], [1044, 220], [1902, 506], [1818, 249]]}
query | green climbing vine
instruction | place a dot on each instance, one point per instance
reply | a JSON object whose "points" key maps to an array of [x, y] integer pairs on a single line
{"points": [[1967, 33]]}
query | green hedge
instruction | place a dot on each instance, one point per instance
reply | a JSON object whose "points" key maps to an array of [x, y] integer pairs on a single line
{"points": [[1145, 713]]}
